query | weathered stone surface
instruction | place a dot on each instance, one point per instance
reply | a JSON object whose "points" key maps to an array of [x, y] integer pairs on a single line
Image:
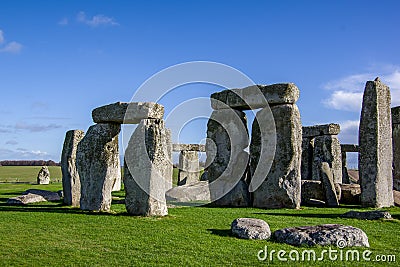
{"points": [[345, 172], [189, 167], [227, 137], [43, 176], [127, 113], [307, 151], [396, 197], [251, 98], [97, 162], [328, 185], [199, 191], [319, 130], [188, 147], [367, 215], [34, 196], [70, 177], [313, 190], [323, 235], [327, 149], [349, 148], [282, 185], [376, 148], [396, 147], [148, 169], [250, 228], [351, 194]]}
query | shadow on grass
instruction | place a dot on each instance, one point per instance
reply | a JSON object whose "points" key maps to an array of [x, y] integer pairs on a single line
{"points": [[304, 215], [221, 232]]}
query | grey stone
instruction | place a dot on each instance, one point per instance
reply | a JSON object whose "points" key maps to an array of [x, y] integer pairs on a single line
{"points": [[227, 137], [189, 168], [204, 176], [70, 177], [396, 197], [34, 196], [345, 171], [188, 147], [250, 228], [282, 185], [376, 148], [327, 149], [351, 194], [367, 215], [328, 185], [396, 147], [349, 148], [148, 169], [43, 176], [252, 97], [319, 130], [199, 191], [396, 115], [97, 162], [127, 113], [307, 151], [323, 235], [311, 189]]}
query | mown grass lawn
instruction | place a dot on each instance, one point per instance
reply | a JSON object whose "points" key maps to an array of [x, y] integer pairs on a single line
{"points": [[27, 174], [56, 235]]}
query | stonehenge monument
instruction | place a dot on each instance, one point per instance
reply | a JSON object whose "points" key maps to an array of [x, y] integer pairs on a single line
{"points": [[70, 177], [345, 149], [228, 138], [189, 167], [43, 176], [321, 144], [396, 147], [376, 148]]}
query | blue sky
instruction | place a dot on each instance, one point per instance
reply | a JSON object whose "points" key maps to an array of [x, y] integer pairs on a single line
{"points": [[61, 59]]}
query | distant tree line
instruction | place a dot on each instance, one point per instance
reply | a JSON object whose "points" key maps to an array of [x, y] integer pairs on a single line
{"points": [[28, 163]]}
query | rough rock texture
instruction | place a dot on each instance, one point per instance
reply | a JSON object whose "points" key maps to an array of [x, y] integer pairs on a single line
{"points": [[43, 176], [349, 148], [148, 169], [396, 197], [318, 130], [282, 185], [396, 147], [323, 235], [34, 196], [328, 185], [227, 137], [313, 190], [351, 194], [192, 192], [249, 97], [97, 162], [367, 215], [189, 167], [249, 228], [127, 113], [307, 150], [376, 149], [188, 147], [70, 177], [327, 149]]}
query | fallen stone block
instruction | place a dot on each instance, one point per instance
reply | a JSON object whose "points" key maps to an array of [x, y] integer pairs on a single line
{"points": [[367, 215], [34, 196], [250, 228], [192, 192]]}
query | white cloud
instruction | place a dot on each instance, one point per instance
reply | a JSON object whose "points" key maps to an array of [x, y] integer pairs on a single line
{"points": [[33, 128], [22, 153], [12, 142], [12, 47], [348, 91], [63, 22], [1, 37], [349, 132], [96, 20]]}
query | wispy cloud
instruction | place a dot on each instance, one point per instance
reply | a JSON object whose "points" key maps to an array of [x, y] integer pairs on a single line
{"points": [[348, 91], [95, 21], [1, 37], [10, 47], [12, 142], [63, 22], [349, 132], [22, 153], [36, 127]]}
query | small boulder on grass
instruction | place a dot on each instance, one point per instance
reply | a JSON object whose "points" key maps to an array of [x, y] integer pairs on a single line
{"points": [[250, 228], [367, 215]]}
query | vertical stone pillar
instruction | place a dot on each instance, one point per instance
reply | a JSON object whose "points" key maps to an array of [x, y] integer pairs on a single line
{"points": [[307, 152], [376, 148], [345, 173], [189, 167], [327, 149], [227, 138], [148, 167], [396, 147], [282, 185], [97, 161], [70, 177]]}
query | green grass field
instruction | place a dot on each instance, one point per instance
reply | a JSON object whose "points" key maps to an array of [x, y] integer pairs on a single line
{"points": [[57, 235], [27, 174]]}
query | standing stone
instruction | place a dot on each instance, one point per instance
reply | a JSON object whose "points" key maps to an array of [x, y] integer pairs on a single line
{"points": [[307, 148], [376, 149], [118, 178], [97, 161], [227, 137], [327, 149], [328, 185], [148, 167], [70, 177], [189, 167], [396, 147], [282, 185], [43, 176]]}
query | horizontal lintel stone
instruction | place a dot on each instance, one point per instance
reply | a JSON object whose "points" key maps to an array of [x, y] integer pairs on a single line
{"points": [[317, 130], [349, 148], [188, 147], [127, 113]]}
